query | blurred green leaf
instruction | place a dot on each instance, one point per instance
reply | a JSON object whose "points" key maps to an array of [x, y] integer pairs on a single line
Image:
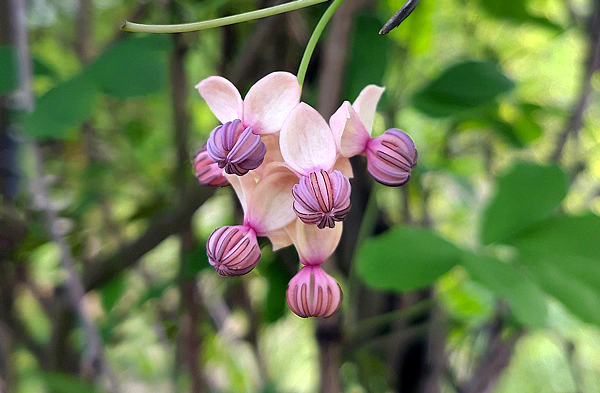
{"points": [[112, 292], [135, 66], [577, 236], [278, 278], [405, 258], [194, 261], [574, 281], [40, 68], [62, 108], [461, 87], [515, 10], [526, 301], [64, 383], [9, 80], [526, 194], [368, 57]]}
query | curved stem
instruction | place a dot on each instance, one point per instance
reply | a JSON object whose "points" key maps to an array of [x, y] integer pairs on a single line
{"points": [[314, 38], [228, 20]]}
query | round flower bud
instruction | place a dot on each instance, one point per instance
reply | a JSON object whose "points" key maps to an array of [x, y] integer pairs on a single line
{"points": [[322, 198], [207, 171], [391, 157], [313, 293], [233, 251], [235, 148]]}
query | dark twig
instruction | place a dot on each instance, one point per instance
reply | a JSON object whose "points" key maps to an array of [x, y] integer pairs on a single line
{"points": [[399, 16]]}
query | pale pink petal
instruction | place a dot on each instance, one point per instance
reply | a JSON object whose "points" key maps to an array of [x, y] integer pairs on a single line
{"points": [[337, 122], [306, 142], [314, 245], [346, 125], [222, 97], [279, 238], [270, 205], [243, 186], [343, 165], [269, 102], [366, 105], [272, 143]]}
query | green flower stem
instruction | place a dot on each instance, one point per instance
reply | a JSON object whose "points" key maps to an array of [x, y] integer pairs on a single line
{"points": [[314, 38], [228, 20]]}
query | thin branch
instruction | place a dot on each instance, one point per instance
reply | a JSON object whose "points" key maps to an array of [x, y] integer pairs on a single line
{"points": [[219, 22], [399, 16], [103, 270], [576, 120]]}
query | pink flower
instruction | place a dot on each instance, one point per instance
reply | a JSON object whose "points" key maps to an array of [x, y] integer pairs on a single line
{"points": [[233, 251], [206, 170], [263, 111], [390, 156], [313, 293], [308, 147]]}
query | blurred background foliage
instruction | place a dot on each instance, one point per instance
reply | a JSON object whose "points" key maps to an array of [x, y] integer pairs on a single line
{"points": [[481, 275]]}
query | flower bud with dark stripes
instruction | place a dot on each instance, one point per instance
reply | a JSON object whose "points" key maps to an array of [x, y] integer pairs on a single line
{"points": [[322, 198], [391, 157], [235, 148], [207, 171], [233, 251], [313, 293]]}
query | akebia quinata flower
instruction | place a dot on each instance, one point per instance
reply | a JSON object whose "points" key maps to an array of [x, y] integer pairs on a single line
{"points": [[322, 195], [313, 293], [206, 170], [289, 169], [390, 157], [236, 144]]}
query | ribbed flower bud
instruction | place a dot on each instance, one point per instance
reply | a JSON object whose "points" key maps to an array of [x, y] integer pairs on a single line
{"points": [[313, 293], [235, 148], [391, 157], [233, 251], [207, 171], [322, 198]]}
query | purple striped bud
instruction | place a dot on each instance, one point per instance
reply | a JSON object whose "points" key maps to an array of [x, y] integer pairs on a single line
{"points": [[391, 157], [322, 198], [313, 293], [233, 251], [235, 148], [207, 171]]}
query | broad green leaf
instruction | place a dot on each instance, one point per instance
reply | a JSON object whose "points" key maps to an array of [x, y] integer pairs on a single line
{"points": [[526, 301], [462, 87], [368, 56], [134, 67], [574, 281], [577, 236], [525, 195], [194, 261], [61, 109], [278, 278], [9, 80], [65, 383], [515, 10], [405, 258], [112, 292]]}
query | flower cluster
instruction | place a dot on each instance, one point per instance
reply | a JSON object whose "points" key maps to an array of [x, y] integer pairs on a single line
{"points": [[290, 170]]}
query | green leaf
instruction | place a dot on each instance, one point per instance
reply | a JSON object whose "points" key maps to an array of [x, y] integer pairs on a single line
{"points": [[405, 258], [194, 262], [64, 383], [577, 236], [135, 66], [59, 110], [9, 80], [515, 10], [278, 278], [526, 194], [462, 87], [368, 56], [112, 292], [526, 301], [574, 281]]}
